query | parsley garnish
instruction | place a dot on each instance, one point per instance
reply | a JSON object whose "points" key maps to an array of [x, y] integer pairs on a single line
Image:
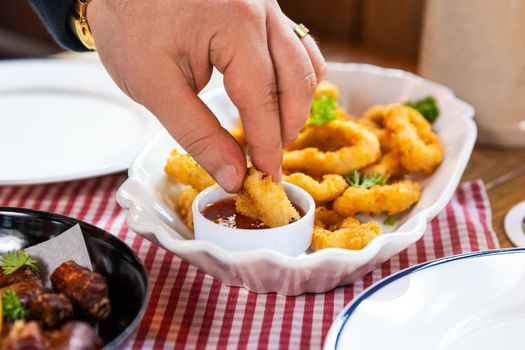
{"points": [[389, 221], [323, 110], [355, 179], [12, 261], [427, 106], [12, 308]]}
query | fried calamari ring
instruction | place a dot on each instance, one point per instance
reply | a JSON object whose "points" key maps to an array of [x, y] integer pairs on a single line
{"points": [[341, 114], [187, 171], [326, 88], [318, 136], [349, 234], [389, 165], [373, 120], [358, 148], [184, 203], [419, 148], [375, 115], [238, 134], [263, 197], [325, 217], [392, 199], [245, 205], [348, 222], [329, 188]]}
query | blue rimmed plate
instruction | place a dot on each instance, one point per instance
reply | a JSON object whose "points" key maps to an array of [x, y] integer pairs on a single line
{"points": [[468, 301]]}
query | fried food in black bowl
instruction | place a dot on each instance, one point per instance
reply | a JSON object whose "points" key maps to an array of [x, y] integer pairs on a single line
{"points": [[126, 278]]}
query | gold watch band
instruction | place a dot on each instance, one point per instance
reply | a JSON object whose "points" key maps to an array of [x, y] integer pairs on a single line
{"points": [[80, 26]]}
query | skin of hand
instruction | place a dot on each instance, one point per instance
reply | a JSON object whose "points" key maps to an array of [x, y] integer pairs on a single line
{"points": [[161, 54]]}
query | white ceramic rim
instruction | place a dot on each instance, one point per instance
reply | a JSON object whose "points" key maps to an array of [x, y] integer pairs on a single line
{"points": [[311, 260]]}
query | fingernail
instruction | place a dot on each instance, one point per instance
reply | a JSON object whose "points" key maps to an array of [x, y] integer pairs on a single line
{"points": [[226, 177]]}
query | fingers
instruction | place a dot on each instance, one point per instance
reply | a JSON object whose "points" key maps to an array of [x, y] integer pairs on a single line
{"points": [[296, 78], [249, 79], [316, 57], [252, 88], [193, 125]]}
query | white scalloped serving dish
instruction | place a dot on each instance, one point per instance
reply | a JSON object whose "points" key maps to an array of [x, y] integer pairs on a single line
{"points": [[148, 194]]}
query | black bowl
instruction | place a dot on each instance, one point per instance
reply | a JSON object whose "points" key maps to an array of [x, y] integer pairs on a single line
{"points": [[126, 277]]}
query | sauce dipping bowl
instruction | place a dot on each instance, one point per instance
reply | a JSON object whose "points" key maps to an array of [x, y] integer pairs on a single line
{"points": [[292, 239]]}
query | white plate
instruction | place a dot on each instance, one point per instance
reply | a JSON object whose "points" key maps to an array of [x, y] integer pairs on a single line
{"points": [[468, 301], [148, 194], [64, 119], [515, 224]]}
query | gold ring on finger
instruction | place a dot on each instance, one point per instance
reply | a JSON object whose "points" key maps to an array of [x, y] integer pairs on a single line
{"points": [[301, 30]]}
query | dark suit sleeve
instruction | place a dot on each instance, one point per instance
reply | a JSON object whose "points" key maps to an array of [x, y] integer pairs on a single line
{"points": [[54, 14]]}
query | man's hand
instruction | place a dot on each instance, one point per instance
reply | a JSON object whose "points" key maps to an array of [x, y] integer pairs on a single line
{"points": [[161, 54]]}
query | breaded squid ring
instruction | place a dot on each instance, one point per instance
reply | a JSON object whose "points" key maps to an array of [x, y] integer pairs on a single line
{"points": [[238, 134], [419, 148], [348, 222], [341, 114], [350, 234], [391, 199], [245, 205], [389, 165], [329, 188], [260, 195], [184, 203], [325, 88], [373, 120], [361, 148], [325, 217], [323, 138], [187, 171], [376, 115]]}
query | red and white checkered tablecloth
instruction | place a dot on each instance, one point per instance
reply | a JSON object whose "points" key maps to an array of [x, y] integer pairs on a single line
{"points": [[189, 309]]}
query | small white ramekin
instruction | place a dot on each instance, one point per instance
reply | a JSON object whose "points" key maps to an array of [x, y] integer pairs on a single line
{"points": [[292, 239]]}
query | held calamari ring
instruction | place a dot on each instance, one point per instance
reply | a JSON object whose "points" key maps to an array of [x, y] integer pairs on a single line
{"points": [[333, 148], [263, 199]]}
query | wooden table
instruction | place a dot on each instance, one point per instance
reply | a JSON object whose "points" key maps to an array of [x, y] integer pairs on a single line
{"points": [[493, 166], [490, 164]]}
